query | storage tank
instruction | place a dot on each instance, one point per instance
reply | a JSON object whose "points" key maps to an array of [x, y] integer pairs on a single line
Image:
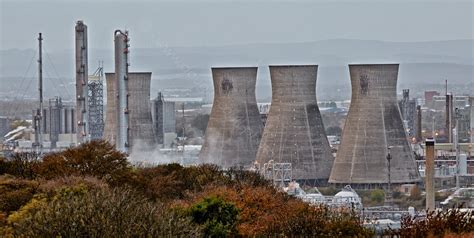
{"points": [[374, 124], [294, 131], [234, 128]]}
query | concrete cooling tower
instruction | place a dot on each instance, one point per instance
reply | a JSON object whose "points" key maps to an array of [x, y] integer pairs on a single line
{"points": [[234, 128], [140, 121], [372, 126], [294, 131]]}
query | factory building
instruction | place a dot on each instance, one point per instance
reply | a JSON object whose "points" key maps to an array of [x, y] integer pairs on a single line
{"points": [[140, 127], [294, 131], [373, 129], [234, 129], [58, 124], [164, 120]]}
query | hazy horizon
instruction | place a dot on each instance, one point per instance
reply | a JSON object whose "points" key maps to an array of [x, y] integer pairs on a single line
{"points": [[224, 23]]}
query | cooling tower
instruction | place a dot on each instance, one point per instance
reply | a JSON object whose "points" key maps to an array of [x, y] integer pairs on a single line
{"points": [[372, 125], [139, 112], [81, 83], [234, 128], [294, 131]]}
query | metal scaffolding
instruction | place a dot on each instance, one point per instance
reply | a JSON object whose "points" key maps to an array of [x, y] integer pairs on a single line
{"points": [[96, 104]]}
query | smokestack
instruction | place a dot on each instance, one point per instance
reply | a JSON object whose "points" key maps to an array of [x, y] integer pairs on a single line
{"points": [[82, 104], [429, 174], [294, 131], [121, 78], [449, 115], [418, 123], [234, 129], [374, 124]]}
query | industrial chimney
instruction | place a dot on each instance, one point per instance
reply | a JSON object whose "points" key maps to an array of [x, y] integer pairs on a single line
{"points": [[373, 124], [429, 174], [294, 131], [121, 84], [234, 129], [82, 105], [418, 124]]}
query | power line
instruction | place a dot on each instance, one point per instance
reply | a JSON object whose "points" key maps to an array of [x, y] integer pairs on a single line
{"points": [[21, 86], [48, 76], [57, 75], [24, 93]]}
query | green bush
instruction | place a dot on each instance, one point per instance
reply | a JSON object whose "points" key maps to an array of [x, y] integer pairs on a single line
{"points": [[218, 217], [377, 196]]}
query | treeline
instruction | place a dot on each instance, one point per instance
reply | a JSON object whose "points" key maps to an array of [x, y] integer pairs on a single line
{"points": [[93, 191]]}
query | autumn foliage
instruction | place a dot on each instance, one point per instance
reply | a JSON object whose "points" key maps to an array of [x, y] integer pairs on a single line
{"points": [[93, 191]]}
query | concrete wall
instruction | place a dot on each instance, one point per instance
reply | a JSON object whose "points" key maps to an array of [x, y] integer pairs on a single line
{"points": [[294, 131], [234, 129], [373, 124]]}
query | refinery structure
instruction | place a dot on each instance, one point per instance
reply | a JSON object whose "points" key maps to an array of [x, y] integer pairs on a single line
{"points": [[388, 143]]}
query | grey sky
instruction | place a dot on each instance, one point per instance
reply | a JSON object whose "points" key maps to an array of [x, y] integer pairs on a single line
{"points": [[209, 23]]}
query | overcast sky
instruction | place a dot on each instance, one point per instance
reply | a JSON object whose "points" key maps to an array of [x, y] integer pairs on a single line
{"points": [[210, 23]]}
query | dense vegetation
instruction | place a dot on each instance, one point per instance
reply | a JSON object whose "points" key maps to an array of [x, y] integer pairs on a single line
{"points": [[92, 191]]}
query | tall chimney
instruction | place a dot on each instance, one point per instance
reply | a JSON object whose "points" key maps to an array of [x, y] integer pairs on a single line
{"points": [[429, 174], [121, 40], [418, 124], [82, 103], [449, 116]]}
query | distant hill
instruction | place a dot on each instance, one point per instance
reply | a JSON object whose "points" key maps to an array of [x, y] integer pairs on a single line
{"points": [[188, 67]]}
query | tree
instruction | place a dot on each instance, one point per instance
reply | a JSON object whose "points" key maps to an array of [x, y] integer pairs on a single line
{"points": [[218, 217], [377, 195], [415, 193], [96, 158], [21, 164], [120, 212], [437, 224], [15, 192]]}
